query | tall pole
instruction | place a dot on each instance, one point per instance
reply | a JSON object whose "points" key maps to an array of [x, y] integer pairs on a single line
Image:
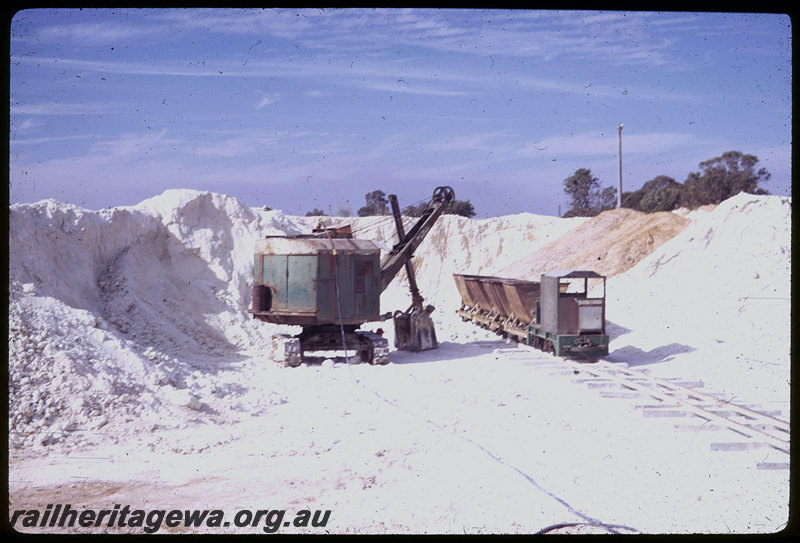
{"points": [[619, 191]]}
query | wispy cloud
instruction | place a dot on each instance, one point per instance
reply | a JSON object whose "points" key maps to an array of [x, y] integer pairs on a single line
{"points": [[243, 145], [163, 68], [417, 89], [593, 143], [58, 108], [482, 141], [98, 33], [135, 146], [265, 101], [343, 47]]}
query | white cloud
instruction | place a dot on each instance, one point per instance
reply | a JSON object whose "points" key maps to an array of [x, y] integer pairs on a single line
{"points": [[265, 101], [58, 108], [596, 143], [106, 32]]}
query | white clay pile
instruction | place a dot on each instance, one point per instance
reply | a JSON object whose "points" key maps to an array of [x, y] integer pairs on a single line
{"points": [[122, 318]]}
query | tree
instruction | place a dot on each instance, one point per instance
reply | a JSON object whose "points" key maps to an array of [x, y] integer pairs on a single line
{"points": [[632, 200], [659, 182], [377, 204], [416, 210], [605, 199], [460, 207], [316, 212], [586, 197], [722, 177], [456, 207], [579, 187], [662, 193], [661, 199]]}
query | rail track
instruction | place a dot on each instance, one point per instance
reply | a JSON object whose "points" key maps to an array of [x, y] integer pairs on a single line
{"points": [[680, 399]]}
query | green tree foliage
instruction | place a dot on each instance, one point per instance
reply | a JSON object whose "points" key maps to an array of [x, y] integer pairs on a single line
{"points": [[587, 199], [719, 179], [632, 200], [660, 194], [460, 207], [722, 177], [377, 204], [416, 210], [664, 198], [456, 207], [606, 199]]}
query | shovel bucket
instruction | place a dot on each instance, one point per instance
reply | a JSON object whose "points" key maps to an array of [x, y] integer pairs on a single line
{"points": [[413, 330]]}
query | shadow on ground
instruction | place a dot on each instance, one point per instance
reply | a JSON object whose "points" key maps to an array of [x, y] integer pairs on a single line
{"points": [[447, 350], [614, 330], [633, 356]]}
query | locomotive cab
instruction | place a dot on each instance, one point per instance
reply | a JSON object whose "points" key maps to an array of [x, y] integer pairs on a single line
{"points": [[572, 312]]}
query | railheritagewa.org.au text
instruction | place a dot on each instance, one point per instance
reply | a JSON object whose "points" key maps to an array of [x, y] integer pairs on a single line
{"points": [[63, 516]]}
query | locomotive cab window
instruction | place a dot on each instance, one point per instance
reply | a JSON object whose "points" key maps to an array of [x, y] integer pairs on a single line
{"points": [[582, 287], [572, 286]]}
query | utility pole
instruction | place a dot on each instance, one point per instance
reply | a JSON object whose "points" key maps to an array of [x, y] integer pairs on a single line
{"points": [[619, 191]]}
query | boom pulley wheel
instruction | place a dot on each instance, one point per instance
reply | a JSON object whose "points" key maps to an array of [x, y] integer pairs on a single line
{"points": [[444, 194]]}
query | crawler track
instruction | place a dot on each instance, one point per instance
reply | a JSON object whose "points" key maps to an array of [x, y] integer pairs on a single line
{"points": [[675, 398]]}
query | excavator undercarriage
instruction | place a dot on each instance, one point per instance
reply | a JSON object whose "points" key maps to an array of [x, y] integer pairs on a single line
{"points": [[371, 347]]}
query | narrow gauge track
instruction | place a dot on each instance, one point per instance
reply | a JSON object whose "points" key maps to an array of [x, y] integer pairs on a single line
{"points": [[565, 316], [761, 429]]}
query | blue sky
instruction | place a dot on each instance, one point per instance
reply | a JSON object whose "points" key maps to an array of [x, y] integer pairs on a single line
{"points": [[297, 109]]}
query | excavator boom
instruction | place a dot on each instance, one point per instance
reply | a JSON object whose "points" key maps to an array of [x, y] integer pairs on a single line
{"points": [[402, 252], [413, 328]]}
